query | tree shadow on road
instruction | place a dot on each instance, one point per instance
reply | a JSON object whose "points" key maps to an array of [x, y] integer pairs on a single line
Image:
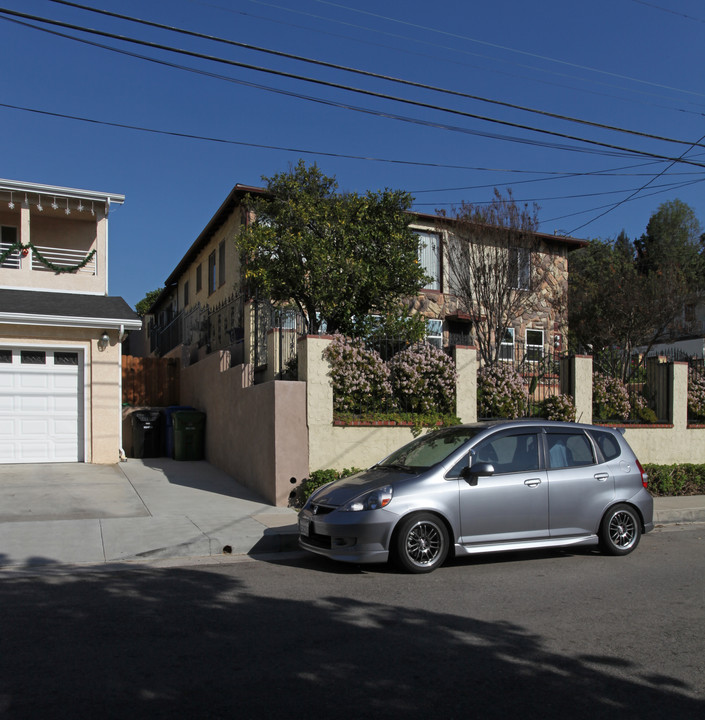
{"points": [[201, 643]]}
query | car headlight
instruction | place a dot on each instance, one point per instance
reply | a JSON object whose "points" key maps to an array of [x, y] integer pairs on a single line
{"points": [[373, 500]]}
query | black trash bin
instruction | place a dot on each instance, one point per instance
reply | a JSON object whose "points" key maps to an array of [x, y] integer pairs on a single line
{"points": [[189, 431], [147, 439]]}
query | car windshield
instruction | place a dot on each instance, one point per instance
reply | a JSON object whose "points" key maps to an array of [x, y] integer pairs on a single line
{"points": [[429, 450]]}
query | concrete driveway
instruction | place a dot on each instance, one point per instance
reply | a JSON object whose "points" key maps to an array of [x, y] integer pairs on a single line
{"points": [[139, 509]]}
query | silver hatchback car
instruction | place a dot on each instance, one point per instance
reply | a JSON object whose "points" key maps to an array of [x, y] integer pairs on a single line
{"points": [[486, 487]]}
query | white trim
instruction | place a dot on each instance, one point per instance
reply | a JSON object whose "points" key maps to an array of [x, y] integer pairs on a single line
{"points": [[63, 192], [69, 321], [52, 290]]}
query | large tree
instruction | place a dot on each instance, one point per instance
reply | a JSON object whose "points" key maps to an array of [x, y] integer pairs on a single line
{"points": [[336, 256], [494, 266], [627, 294]]}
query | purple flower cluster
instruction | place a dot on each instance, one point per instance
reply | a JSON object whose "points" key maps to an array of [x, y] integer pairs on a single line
{"points": [[696, 392], [359, 375], [424, 380], [558, 407], [420, 379], [610, 398], [501, 392]]}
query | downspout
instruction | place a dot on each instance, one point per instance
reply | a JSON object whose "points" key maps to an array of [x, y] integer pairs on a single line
{"points": [[107, 254], [121, 453]]}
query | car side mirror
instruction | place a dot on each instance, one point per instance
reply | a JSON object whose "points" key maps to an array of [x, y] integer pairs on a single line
{"points": [[471, 474]]}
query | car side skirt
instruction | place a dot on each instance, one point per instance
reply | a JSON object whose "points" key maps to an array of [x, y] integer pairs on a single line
{"points": [[478, 548]]}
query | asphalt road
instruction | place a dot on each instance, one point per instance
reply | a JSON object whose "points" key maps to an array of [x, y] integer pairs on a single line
{"points": [[539, 635]]}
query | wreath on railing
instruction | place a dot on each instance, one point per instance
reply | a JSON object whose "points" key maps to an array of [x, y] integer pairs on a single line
{"points": [[24, 250]]}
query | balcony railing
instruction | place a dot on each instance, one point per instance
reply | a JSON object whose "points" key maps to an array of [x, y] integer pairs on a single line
{"points": [[63, 257], [58, 257], [12, 261]]}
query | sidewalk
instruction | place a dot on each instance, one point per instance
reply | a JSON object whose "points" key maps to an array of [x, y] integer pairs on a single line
{"points": [[136, 510], [153, 509]]}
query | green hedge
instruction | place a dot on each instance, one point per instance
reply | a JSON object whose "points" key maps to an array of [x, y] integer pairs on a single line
{"points": [[683, 479]]}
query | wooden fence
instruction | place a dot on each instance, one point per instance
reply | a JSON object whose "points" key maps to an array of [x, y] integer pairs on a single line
{"points": [[152, 382]]}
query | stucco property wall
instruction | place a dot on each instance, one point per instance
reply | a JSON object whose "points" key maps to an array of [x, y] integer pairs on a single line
{"points": [[340, 447], [255, 433]]}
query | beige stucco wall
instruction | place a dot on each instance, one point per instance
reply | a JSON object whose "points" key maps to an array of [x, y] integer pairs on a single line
{"points": [[81, 231], [102, 382], [225, 233], [255, 433], [342, 447]]}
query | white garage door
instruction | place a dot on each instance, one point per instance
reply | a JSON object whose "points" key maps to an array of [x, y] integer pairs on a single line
{"points": [[41, 405]]}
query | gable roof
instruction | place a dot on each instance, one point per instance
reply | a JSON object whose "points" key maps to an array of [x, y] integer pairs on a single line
{"points": [[29, 307]]}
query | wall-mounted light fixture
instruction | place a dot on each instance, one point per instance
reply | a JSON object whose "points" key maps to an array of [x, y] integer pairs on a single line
{"points": [[103, 341]]}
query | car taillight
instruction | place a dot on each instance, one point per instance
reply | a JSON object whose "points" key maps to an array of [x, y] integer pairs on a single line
{"points": [[644, 474]]}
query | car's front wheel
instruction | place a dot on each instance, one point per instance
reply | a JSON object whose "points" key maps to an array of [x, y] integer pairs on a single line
{"points": [[620, 530], [421, 543]]}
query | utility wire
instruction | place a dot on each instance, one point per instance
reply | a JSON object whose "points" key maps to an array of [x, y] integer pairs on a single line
{"points": [[347, 106], [369, 74], [466, 38], [192, 136], [408, 39], [202, 56], [636, 192]]}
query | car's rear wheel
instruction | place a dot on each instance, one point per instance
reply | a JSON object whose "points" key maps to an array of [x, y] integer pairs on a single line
{"points": [[421, 543], [620, 530]]}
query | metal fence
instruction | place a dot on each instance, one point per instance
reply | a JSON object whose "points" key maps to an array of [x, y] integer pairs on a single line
{"points": [[539, 370]]}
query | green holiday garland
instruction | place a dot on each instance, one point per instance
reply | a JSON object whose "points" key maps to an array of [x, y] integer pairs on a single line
{"points": [[19, 247]]}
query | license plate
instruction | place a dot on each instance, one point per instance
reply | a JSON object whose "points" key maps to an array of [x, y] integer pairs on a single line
{"points": [[304, 524]]}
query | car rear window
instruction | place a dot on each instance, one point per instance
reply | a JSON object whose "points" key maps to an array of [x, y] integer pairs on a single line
{"points": [[569, 450], [607, 443]]}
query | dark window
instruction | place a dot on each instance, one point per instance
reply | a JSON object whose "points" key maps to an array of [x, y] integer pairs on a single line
{"points": [[509, 453], [8, 237], [186, 298], [199, 282], [221, 263], [520, 268], [65, 358], [5, 356], [33, 357], [607, 444], [211, 273], [569, 450]]}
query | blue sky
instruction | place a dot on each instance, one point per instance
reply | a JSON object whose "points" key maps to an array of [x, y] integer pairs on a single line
{"points": [[628, 64]]}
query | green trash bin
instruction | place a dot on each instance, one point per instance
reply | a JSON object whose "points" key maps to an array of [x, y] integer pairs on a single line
{"points": [[189, 432]]}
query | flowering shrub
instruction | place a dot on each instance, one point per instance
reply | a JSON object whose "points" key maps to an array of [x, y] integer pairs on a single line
{"points": [[696, 393], [640, 409], [558, 407], [423, 380], [610, 399], [501, 393], [360, 377]]}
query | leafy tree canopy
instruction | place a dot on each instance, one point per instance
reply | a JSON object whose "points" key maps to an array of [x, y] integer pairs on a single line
{"points": [[337, 256], [625, 295], [147, 301], [672, 240]]}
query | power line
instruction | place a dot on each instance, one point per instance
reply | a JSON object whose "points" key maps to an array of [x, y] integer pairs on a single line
{"points": [[669, 10], [636, 192], [408, 38], [369, 74], [662, 188], [609, 205], [466, 38], [338, 86]]}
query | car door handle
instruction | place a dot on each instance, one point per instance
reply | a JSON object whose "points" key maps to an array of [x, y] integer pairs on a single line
{"points": [[601, 477], [533, 482]]}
